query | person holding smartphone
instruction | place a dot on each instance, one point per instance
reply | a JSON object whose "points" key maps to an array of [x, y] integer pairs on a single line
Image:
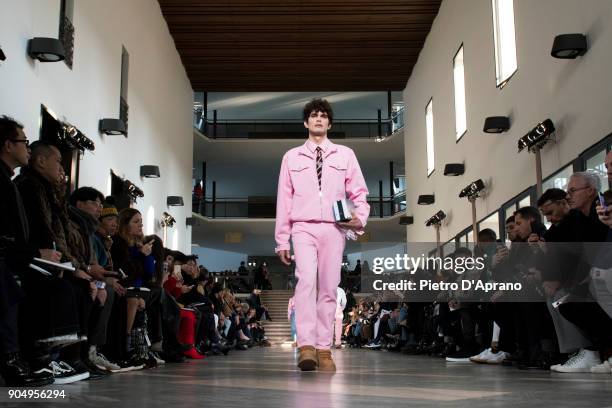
{"points": [[132, 255], [312, 178]]}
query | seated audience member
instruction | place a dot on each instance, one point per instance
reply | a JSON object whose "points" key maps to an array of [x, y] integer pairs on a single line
{"points": [[591, 326], [84, 211], [132, 256], [42, 187], [565, 271], [533, 328], [254, 301], [16, 254], [582, 190]]}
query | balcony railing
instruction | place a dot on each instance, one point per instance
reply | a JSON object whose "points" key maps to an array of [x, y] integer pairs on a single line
{"points": [[265, 207], [283, 129]]}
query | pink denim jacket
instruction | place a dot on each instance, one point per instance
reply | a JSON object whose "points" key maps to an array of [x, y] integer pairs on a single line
{"points": [[298, 197]]}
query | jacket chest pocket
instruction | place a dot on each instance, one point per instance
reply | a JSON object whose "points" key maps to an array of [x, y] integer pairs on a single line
{"points": [[336, 174], [302, 175]]}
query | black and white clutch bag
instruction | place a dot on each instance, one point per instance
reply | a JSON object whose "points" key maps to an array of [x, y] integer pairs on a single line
{"points": [[342, 210]]}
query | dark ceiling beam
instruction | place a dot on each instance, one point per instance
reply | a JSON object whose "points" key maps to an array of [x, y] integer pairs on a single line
{"points": [[292, 45]]}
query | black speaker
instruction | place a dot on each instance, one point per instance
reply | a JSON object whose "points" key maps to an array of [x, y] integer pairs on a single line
{"points": [[454, 169], [426, 199], [496, 124], [406, 220]]}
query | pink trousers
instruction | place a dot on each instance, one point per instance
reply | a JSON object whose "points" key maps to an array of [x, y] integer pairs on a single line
{"points": [[318, 249]]}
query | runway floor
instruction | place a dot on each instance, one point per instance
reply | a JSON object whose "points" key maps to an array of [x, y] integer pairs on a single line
{"points": [[267, 377]]}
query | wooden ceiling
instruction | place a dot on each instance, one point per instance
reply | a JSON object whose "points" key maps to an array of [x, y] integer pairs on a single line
{"points": [[295, 45]]}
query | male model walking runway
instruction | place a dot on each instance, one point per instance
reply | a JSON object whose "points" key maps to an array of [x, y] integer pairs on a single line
{"points": [[312, 177]]}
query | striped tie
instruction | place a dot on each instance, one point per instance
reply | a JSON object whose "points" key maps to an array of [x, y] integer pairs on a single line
{"points": [[319, 165]]}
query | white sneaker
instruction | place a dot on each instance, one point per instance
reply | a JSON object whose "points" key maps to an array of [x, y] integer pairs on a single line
{"points": [[102, 362], [580, 362], [603, 368], [479, 358], [495, 358]]}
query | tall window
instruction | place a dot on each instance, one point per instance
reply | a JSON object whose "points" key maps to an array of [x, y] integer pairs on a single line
{"points": [[430, 137], [66, 30], [123, 104], [505, 40], [459, 80], [491, 222], [559, 179]]}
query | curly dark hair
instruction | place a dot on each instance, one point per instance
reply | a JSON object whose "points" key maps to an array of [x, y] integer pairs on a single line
{"points": [[318, 105]]}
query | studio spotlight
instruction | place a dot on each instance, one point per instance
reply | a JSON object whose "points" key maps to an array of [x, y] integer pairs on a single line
{"points": [[174, 201], [73, 138], [473, 190], [454, 169], [496, 124], [167, 220], [537, 137], [46, 49], [149, 171], [569, 46], [112, 127], [132, 190], [426, 199], [436, 219]]}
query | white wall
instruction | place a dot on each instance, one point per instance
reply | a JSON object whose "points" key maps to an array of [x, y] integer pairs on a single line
{"points": [[575, 94], [159, 93]]}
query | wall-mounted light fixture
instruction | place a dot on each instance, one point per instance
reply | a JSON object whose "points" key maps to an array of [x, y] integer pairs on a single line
{"points": [[73, 138], [537, 137], [167, 220], [454, 169], [406, 220], [46, 49], [496, 124], [534, 141], [174, 201], [112, 127], [426, 199], [569, 46], [132, 190], [473, 190], [436, 219], [2, 55], [192, 222], [149, 171]]}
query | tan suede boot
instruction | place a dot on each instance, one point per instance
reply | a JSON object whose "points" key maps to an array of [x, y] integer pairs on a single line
{"points": [[325, 360], [307, 359]]}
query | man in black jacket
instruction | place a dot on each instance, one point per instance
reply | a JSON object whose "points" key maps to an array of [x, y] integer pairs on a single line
{"points": [[566, 269], [40, 184], [15, 256]]}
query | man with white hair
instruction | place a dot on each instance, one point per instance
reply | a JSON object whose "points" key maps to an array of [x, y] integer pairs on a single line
{"points": [[582, 189], [582, 192]]}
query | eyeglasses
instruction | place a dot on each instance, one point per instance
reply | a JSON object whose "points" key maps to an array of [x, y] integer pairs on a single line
{"points": [[25, 141], [572, 191]]}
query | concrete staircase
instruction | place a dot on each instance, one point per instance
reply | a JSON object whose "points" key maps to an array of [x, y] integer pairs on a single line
{"points": [[278, 330]]}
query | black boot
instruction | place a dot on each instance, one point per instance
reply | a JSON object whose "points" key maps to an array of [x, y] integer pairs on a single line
{"points": [[17, 373]]}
